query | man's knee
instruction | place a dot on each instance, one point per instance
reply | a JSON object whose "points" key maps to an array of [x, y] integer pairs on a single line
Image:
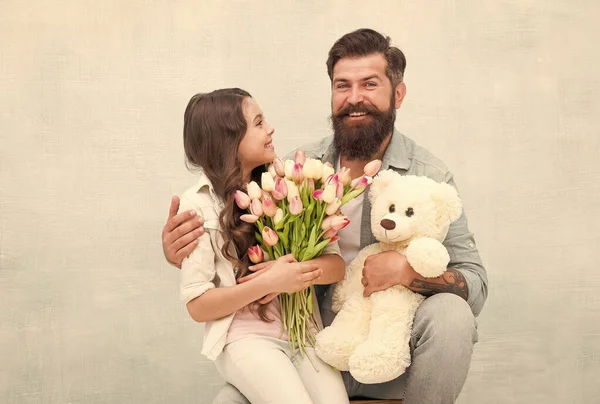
{"points": [[447, 317]]}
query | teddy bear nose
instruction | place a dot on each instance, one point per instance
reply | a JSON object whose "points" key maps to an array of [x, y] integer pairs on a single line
{"points": [[388, 224]]}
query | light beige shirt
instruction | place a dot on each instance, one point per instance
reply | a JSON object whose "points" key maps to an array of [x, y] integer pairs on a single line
{"points": [[206, 267]]}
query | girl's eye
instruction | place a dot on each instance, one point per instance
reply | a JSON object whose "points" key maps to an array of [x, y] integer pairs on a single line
{"points": [[259, 123]]}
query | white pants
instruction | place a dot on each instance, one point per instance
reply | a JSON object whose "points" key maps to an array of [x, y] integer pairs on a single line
{"points": [[263, 370]]}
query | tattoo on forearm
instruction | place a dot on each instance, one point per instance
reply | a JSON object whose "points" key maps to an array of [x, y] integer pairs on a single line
{"points": [[451, 281]]}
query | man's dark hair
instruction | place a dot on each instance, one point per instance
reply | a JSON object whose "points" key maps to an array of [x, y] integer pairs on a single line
{"points": [[365, 42]]}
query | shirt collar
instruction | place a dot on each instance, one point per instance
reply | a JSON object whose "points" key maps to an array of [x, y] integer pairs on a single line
{"points": [[398, 152], [203, 181]]}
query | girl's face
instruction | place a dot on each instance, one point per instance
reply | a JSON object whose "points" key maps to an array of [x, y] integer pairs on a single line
{"points": [[256, 148]]}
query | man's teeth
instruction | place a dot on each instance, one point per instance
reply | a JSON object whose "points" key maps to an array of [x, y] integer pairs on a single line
{"points": [[357, 113]]}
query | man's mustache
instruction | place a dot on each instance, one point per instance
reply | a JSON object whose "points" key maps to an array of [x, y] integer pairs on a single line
{"points": [[360, 107]]}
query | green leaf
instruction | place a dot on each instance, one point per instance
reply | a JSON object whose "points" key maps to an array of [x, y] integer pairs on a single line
{"points": [[320, 247]]}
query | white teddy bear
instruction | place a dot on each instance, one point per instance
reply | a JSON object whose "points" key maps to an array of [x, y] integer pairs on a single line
{"points": [[370, 336]]}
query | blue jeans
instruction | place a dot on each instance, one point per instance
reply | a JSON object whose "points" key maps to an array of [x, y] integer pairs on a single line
{"points": [[444, 333]]}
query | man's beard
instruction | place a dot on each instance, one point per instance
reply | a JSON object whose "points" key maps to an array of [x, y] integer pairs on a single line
{"points": [[362, 140]]}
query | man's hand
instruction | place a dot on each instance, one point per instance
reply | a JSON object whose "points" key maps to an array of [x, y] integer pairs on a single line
{"points": [[390, 268], [180, 234], [384, 270]]}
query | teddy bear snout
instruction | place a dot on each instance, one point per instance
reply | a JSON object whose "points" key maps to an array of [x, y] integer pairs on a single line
{"points": [[388, 224]]}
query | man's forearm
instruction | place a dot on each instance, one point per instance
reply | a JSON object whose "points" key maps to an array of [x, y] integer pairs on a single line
{"points": [[451, 281]]}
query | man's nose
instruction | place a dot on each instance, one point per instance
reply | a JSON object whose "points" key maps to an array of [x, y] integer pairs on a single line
{"points": [[355, 96]]}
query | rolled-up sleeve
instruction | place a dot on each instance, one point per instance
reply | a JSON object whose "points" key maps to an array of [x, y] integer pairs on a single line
{"points": [[332, 248], [464, 257], [198, 269]]}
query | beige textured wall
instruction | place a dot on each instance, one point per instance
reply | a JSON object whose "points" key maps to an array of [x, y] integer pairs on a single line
{"points": [[91, 101]]}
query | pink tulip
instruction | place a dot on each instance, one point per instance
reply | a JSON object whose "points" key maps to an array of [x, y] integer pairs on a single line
{"points": [[332, 179], [344, 175], [337, 222], [269, 236], [318, 194], [329, 234], [256, 207], [269, 207], [327, 171], [280, 190], [296, 205], [278, 216], [297, 175], [300, 157], [311, 185], [256, 254], [254, 191], [242, 200], [288, 167], [249, 218], [339, 190], [312, 168], [329, 193], [333, 207], [334, 239], [266, 181], [360, 182], [279, 167], [372, 168], [292, 190]]}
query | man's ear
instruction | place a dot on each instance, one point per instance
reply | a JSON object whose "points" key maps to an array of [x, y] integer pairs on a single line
{"points": [[400, 93]]}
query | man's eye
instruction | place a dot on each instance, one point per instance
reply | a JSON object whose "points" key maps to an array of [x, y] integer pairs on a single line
{"points": [[371, 84], [342, 85]]}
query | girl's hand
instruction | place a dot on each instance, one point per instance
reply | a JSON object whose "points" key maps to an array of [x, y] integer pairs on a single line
{"points": [[285, 275], [257, 270]]}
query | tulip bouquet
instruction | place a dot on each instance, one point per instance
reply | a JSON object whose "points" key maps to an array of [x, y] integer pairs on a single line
{"points": [[296, 210]]}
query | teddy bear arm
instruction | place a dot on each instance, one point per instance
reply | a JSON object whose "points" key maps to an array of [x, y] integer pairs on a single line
{"points": [[428, 257]]}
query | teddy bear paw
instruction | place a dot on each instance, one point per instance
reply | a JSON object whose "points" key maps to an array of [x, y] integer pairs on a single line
{"points": [[333, 348], [376, 363]]}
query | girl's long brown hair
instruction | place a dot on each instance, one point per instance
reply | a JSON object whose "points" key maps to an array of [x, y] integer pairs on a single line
{"points": [[214, 125]]}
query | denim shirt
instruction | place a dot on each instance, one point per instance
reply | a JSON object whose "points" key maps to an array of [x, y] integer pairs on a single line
{"points": [[406, 157]]}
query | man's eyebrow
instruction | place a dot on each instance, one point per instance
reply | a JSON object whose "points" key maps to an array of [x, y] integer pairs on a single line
{"points": [[371, 77]]}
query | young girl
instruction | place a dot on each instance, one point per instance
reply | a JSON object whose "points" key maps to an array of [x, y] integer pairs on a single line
{"points": [[227, 137]]}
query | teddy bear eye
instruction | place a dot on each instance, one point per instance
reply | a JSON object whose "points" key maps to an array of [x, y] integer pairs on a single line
{"points": [[392, 208], [409, 212]]}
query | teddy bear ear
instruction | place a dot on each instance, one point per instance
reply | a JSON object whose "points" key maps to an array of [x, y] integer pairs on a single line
{"points": [[448, 203], [381, 182]]}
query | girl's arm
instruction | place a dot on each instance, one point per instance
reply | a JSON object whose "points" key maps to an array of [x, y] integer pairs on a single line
{"points": [[220, 302], [286, 275]]}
